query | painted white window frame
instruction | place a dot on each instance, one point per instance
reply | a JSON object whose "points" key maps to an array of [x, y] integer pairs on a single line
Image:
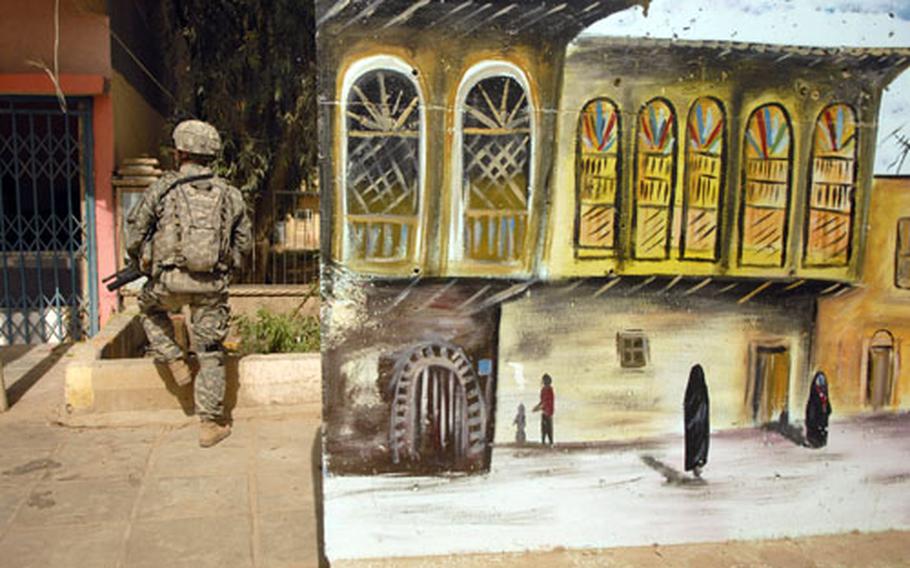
{"points": [[475, 74], [358, 69]]}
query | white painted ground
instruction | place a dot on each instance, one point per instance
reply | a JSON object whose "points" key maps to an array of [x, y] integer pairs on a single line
{"points": [[759, 485]]}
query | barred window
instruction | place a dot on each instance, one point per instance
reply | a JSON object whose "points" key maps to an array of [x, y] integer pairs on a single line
{"points": [[632, 348], [705, 142], [833, 187], [655, 179], [383, 117], [496, 163], [598, 176], [767, 164]]}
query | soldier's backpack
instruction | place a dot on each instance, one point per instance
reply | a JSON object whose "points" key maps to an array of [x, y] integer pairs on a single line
{"points": [[200, 212]]}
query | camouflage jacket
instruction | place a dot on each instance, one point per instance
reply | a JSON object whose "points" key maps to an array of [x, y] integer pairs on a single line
{"points": [[153, 227]]}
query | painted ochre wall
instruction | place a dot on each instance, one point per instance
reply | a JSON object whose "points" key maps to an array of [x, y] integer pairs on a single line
{"points": [[574, 340], [847, 323], [137, 125]]}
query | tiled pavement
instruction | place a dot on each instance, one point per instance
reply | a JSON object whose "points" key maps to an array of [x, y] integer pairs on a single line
{"points": [[150, 497]]}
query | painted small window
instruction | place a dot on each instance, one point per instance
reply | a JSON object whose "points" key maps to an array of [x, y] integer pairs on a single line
{"points": [[833, 188], [496, 162], [598, 176], [382, 168], [655, 178], [632, 347], [767, 165], [705, 142], [902, 264]]}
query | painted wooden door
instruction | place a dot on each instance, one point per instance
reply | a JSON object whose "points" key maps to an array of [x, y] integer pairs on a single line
{"points": [[771, 377], [881, 372]]}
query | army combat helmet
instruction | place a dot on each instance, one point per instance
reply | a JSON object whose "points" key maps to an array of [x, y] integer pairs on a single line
{"points": [[197, 137]]}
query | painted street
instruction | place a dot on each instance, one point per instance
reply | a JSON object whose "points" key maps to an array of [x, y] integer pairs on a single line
{"points": [[757, 485]]}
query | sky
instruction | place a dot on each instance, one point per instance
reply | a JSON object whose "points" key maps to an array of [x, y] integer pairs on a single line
{"points": [[823, 23]]}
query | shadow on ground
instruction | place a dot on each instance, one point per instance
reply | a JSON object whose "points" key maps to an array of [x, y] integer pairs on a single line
{"points": [[671, 474], [18, 389]]}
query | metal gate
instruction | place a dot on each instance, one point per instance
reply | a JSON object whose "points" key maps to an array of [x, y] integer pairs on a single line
{"points": [[48, 283]]}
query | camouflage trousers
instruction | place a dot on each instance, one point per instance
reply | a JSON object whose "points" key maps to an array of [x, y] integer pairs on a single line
{"points": [[208, 327]]}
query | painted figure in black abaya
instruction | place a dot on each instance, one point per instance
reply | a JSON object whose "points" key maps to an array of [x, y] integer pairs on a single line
{"points": [[817, 411], [698, 428]]}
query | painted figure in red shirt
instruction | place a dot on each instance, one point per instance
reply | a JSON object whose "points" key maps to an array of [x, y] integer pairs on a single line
{"points": [[546, 406]]}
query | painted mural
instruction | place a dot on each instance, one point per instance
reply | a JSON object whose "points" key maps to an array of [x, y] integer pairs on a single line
{"points": [[590, 289]]}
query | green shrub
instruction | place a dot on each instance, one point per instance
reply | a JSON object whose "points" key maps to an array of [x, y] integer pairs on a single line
{"points": [[268, 332]]}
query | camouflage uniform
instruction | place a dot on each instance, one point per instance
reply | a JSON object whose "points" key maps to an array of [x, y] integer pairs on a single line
{"points": [[153, 242]]}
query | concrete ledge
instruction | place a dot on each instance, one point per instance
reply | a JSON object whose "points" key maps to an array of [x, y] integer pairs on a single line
{"points": [[99, 382], [286, 378]]}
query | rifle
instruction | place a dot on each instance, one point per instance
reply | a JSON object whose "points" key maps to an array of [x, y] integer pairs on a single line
{"points": [[122, 277]]}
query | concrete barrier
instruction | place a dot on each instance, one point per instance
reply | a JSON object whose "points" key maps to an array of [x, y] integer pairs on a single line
{"points": [[103, 378]]}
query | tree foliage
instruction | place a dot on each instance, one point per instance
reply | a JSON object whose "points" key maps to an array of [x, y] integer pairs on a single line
{"points": [[249, 68]]}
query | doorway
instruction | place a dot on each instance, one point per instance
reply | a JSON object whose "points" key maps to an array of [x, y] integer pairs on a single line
{"points": [[438, 414], [48, 273], [880, 370], [770, 382]]}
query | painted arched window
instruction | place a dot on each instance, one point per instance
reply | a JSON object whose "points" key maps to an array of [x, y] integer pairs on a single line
{"points": [[655, 178], [705, 145], [833, 187], [382, 164], [768, 153], [495, 123], [598, 176]]}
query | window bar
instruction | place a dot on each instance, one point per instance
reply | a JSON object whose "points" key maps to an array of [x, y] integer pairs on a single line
{"points": [[86, 155], [23, 303], [7, 297], [72, 241], [55, 235], [36, 219]]}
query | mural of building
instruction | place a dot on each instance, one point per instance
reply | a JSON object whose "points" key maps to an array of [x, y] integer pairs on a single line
{"points": [[861, 331], [57, 222], [497, 205]]}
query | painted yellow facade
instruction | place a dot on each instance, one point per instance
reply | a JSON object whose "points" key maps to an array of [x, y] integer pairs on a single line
{"points": [[604, 69], [438, 80], [872, 318], [767, 191]]}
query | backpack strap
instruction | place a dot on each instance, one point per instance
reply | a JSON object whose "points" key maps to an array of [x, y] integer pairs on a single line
{"points": [[181, 181]]}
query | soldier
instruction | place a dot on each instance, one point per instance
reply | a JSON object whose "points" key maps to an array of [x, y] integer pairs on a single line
{"points": [[188, 234]]}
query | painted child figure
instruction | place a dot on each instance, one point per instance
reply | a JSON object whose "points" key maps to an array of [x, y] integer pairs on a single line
{"points": [[546, 406], [520, 421]]}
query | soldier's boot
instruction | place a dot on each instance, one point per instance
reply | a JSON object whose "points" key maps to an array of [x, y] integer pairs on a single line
{"points": [[180, 371], [211, 432]]}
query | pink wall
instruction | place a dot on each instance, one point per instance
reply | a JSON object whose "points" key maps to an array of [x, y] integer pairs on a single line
{"points": [[27, 33]]}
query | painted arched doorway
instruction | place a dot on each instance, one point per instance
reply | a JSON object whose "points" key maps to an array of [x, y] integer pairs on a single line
{"points": [[438, 415], [880, 375]]}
